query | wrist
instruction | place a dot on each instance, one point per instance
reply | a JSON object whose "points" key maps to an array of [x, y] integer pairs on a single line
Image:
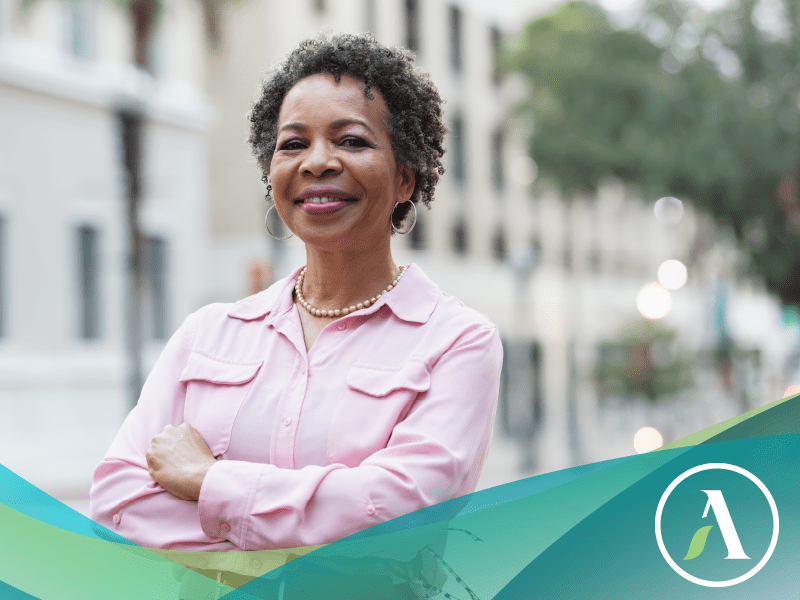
{"points": [[198, 477]]}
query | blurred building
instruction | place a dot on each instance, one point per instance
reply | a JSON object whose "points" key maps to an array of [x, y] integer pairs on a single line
{"points": [[66, 70], [560, 278]]}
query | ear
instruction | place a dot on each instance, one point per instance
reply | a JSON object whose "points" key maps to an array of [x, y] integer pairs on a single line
{"points": [[406, 180]]}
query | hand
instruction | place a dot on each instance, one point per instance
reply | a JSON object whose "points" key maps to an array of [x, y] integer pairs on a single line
{"points": [[178, 459]]}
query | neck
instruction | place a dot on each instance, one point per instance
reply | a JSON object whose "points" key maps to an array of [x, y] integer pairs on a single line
{"points": [[339, 279]]}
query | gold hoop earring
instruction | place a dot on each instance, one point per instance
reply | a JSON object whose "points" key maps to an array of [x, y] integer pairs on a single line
{"points": [[266, 223]]}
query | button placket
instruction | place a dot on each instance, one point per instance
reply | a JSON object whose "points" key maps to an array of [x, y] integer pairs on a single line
{"points": [[288, 412]]}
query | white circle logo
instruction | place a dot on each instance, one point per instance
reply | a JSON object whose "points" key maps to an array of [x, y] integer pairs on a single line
{"points": [[722, 511]]}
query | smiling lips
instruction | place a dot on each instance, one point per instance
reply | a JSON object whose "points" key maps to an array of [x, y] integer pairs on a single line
{"points": [[322, 202]]}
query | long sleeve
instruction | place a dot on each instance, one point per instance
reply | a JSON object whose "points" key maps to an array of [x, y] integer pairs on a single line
{"points": [[123, 496], [433, 454]]}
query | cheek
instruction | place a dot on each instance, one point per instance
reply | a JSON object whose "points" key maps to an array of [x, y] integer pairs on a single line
{"points": [[379, 178], [278, 177]]}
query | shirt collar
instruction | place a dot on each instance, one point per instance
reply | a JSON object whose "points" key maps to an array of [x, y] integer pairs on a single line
{"points": [[413, 299]]}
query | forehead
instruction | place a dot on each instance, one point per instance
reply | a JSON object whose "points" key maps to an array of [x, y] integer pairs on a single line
{"points": [[321, 97]]}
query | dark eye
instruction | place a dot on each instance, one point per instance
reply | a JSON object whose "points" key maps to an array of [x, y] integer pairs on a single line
{"points": [[354, 142], [293, 144]]}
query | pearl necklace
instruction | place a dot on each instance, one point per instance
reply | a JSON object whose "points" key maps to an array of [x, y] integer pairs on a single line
{"points": [[344, 311]]}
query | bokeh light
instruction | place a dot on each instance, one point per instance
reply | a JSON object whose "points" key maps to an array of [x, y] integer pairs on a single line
{"points": [[672, 274], [647, 439], [654, 301], [669, 210], [523, 170], [791, 391]]}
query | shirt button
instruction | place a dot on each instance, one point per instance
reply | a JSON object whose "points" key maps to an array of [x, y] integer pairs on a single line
{"points": [[116, 518], [370, 509], [303, 369], [224, 528], [287, 421], [341, 326]]}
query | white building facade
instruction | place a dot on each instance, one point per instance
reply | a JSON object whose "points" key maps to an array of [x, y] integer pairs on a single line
{"points": [[65, 72]]}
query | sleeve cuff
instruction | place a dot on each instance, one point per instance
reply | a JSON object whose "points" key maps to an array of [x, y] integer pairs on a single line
{"points": [[226, 499]]}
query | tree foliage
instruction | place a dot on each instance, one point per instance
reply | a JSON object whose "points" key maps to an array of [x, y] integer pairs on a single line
{"points": [[699, 106]]}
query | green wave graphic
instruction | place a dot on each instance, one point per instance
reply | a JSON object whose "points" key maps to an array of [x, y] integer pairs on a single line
{"points": [[484, 541], [53, 564], [698, 542], [769, 419]]}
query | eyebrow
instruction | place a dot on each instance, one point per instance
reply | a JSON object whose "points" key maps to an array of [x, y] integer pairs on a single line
{"points": [[337, 124]]}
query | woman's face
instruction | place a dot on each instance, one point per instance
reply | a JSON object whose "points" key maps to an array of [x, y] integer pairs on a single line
{"points": [[334, 176]]}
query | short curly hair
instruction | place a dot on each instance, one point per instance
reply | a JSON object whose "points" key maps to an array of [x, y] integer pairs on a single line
{"points": [[416, 127]]}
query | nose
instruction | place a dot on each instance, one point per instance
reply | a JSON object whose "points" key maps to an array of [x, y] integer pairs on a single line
{"points": [[320, 159]]}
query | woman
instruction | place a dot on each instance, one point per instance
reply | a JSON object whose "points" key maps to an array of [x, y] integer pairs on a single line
{"points": [[347, 394]]}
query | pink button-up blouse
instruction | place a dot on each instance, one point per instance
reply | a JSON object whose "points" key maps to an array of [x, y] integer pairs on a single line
{"points": [[390, 411]]}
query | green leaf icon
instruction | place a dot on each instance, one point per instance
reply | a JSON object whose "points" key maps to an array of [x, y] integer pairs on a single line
{"points": [[698, 542]]}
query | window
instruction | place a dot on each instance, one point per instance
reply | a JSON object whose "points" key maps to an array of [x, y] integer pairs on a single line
{"points": [[595, 261], [79, 19], [456, 61], [498, 160], [567, 255], [537, 405], [88, 281], [496, 40], [499, 244], [372, 16], [412, 25], [536, 250], [503, 412], [459, 152], [520, 403], [460, 237], [156, 284], [3, 284], [416, 237], [276, 226], [146, 43]]}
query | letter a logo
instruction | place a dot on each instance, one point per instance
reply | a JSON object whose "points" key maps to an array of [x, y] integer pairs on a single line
{"points": [[681, 513], [716, 502]]}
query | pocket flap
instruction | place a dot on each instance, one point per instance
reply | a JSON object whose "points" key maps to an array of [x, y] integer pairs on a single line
{"points": [[381, 381], [203, 368]]}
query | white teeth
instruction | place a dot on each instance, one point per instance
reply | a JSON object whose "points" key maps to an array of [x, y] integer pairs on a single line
{"points": [[324, 200], [320, 200]]}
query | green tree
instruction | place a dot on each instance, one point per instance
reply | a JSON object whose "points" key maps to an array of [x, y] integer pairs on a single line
{"points": [[700, 106]]}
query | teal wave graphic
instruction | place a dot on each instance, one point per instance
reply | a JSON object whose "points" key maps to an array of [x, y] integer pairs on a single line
{"points": [[18, 494], [585, 532], [613, 552]]}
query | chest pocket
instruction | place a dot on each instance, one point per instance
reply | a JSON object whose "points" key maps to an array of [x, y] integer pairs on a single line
{"points": [[215, 390], [375, 400]]}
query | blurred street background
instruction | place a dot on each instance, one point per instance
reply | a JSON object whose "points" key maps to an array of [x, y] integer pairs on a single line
{"points": [[622, 199]]}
